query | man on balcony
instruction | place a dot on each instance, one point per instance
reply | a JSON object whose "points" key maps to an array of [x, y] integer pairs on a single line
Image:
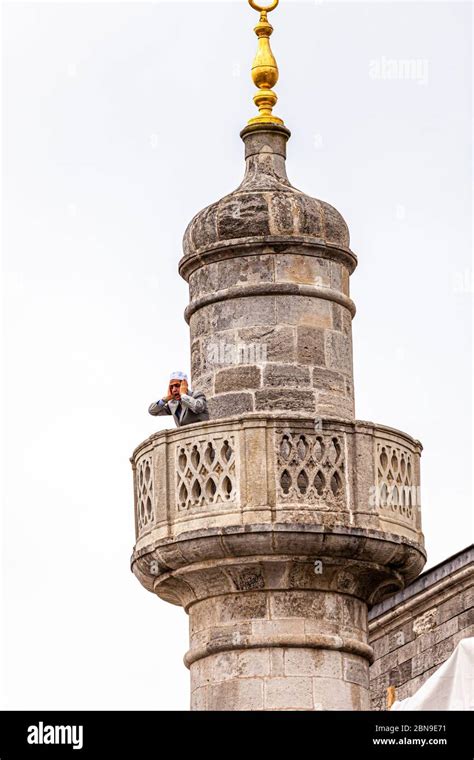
{"points": [[185, 405]]}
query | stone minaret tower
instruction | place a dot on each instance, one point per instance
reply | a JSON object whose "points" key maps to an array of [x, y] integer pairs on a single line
{"points": [[276, 524]]}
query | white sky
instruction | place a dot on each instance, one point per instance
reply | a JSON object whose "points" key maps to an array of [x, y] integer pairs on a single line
{"points": [[121, 121]]}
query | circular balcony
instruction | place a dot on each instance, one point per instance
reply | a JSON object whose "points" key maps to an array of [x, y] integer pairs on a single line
{"points": [[277, 490]]}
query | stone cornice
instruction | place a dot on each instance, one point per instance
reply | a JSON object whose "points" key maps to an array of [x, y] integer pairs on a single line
{"points": [[261, 419], [270, 289], [424, 589], [255, 246], [307, 641]]}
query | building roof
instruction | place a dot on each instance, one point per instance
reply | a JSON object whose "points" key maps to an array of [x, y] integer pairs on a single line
{"points": [[435, 574]]}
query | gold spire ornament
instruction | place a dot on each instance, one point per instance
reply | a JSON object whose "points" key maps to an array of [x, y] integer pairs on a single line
{"points": [[264, 68]]}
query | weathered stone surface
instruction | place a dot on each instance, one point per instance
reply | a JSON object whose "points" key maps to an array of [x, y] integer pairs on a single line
{"points": [[221, 349], [335, 226], [310, 346], [289, 693], [468, 596], [285, 400], [303, 269], [199, 699], [283, 208], [336, 276], [380, 647], [196, 361], [332, 694], [242, 312], [337, 316], [203, 280], [466, 619], [228, 666], [199, 322], [396, 639], [278, 343], [278, 629], [238, 378], [205, 384], [449, 609], [249, 606], [400, 674], [417, 640], [303, 310], [338, 349], [425, 622], [292, 604], [313, 662], [356, 670], [244, 270], [277, 661], [328, 380], [285, 376], [264, 203], [229, 404], [243, 215], [331, 405], [345, 281], [242, 694], [197, 235]]}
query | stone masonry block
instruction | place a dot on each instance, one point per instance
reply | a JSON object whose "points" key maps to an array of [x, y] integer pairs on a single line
{"points": [[313, 662], [356, 670], [285, 375], [277, 629], [248, 606], [277, 661], [310, 346], [328, 380], [331, 694], [466, 619], [276, 343], [338, 347], [289, 693], [242, 312], [238, 378], [229, 404], [285, 400], [449, 609], [242, 694], [304, 310], [244, 270], [226, 666], [303, 269]]}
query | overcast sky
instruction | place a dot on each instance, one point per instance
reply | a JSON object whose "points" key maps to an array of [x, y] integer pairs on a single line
{"points": [[120, 121]]}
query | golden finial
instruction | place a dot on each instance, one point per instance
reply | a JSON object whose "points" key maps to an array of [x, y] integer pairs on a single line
{"points": [[264, 68]]}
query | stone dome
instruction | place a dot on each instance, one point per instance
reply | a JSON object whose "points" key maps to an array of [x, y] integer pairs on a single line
{"points": [[265, 208]]}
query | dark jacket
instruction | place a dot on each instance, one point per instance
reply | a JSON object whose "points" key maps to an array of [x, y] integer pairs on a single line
{"points": [[193, 408]]}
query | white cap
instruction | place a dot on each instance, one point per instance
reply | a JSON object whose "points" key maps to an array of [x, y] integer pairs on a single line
{"points": [[178, 376]]}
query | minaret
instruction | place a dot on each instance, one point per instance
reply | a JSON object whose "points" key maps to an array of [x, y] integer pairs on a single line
{"points": [[279, 522]]}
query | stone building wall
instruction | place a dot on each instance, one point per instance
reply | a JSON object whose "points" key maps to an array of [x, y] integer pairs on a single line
{"points": [[415, 631]]}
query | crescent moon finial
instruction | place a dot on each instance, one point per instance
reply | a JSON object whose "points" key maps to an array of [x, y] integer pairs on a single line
{"points": [[262, 8]]}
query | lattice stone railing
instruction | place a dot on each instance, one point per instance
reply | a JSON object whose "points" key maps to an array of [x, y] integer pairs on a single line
{"points": [[310, 469], [257, 469], [205, 472], [396, 492], [144, 490]]}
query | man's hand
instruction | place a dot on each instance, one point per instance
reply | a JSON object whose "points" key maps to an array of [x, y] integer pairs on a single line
{"points": [[167, 397], [183, 388]]}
